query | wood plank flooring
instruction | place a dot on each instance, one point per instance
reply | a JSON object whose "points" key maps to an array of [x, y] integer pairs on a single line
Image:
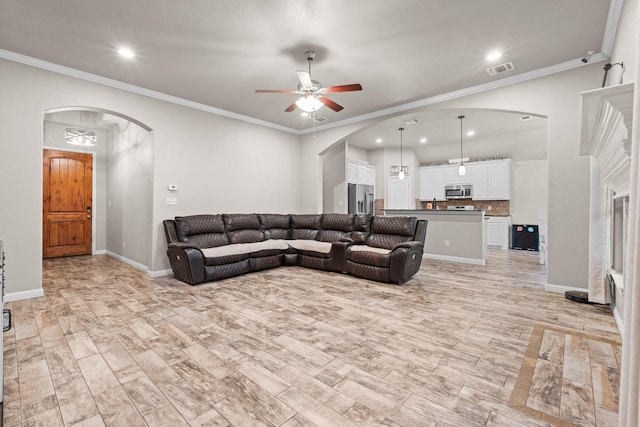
{"points": [[107, 346]]}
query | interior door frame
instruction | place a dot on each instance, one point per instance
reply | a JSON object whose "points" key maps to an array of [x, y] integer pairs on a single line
{"points": [[93, 189]]}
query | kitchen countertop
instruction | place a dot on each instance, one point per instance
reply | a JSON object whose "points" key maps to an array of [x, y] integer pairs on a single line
{"points": [[436, 211]]}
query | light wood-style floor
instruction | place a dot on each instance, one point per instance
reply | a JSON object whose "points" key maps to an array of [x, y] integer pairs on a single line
{"points": [[458, 345]]}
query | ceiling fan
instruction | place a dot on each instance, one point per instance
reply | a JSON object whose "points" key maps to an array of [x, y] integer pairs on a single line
{"points": [[312, 92]]}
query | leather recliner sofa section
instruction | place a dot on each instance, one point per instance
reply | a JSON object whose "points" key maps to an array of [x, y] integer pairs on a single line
{"points": [[205, 248]]}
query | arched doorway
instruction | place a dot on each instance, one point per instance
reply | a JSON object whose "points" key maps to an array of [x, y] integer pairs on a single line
{"points": [[122, 176]]}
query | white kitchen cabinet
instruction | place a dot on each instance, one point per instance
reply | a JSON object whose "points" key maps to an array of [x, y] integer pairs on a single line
{"points": [[432, 182], [371, 175], [498, 231], [491, 180], [362, 174], [499, 180], [352, 173], [452, 176]]}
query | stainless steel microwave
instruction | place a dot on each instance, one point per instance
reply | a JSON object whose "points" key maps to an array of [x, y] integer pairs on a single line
{"points": [[457, 191]]}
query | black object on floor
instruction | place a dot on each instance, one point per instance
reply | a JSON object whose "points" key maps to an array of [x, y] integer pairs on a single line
{"points": [[524, 237], [578, 296]]}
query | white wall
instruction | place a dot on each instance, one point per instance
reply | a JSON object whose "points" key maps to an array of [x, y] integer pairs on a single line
{"points": [[129, 192], [625, 45], [221, 164], [334, 186], [555, 97], [355, 153], [529, 190]]}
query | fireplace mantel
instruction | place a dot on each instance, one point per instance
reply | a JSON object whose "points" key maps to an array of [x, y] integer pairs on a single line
{"points": [[605, 131]]}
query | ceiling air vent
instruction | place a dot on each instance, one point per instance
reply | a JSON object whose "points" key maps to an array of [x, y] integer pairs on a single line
{"points": [[411, 122], [320, 119], [502, 68]]}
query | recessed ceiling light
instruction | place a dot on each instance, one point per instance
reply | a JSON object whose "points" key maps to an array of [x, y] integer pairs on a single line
{"points": [[379, 140], [471, 133], [127, 53], [492, 56], [423, 140]]}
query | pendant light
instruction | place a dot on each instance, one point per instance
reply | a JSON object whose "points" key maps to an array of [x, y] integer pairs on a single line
{"points": [[461, 170], [401, 173], [80, 136]]}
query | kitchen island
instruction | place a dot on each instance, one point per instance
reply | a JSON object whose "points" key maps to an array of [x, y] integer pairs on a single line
{"points": [[452, 235]]}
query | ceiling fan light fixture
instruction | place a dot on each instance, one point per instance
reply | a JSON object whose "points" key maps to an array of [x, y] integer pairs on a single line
{"points": [[309, 103]]}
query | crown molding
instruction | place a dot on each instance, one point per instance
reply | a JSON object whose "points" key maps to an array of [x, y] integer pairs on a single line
{"points": [[72, 72], [518, 78]]}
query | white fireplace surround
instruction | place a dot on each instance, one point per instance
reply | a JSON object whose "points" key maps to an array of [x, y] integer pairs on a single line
{"points": [[606, 130]]}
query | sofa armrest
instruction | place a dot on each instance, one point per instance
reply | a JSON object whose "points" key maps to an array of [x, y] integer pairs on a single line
{"points": [[183, 245], [346, 240], [405, 262], [187, 262], [410, 245]]}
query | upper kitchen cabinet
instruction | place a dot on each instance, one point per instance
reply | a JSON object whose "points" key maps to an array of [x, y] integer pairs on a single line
{"points": [[499, 180], [432, 182], [490, 180], [452, 176], [360, 173]]}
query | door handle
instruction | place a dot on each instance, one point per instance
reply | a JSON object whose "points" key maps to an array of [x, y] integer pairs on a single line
{"points": [[88, 212]]}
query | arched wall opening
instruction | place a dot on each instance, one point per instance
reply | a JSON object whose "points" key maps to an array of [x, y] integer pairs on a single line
{"points": [[122, 178]]}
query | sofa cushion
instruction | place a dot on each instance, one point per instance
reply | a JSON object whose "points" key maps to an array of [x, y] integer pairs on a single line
{"points": [[388, 231], [310, 246], [275, 226], [335, 227], [363, 254], [246, 248], [243, 228], [205, 231], [305, 226]]}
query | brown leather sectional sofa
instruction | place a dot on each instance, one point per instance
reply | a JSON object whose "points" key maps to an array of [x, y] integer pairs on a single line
{"points": [[204, 248]]}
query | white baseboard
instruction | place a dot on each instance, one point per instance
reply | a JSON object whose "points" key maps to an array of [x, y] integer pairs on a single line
{"points": [[159, 273], [560, 289], [100, 252], [462, 260], [16, 296], [618, 320], [128, 261]]}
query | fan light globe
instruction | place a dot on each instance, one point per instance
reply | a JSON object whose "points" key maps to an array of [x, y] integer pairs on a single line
{"points": [[462, 171], [309, 103]]}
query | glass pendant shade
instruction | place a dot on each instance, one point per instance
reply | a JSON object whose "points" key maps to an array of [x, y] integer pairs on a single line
{"points": [[80, 137], [309, 103], [462, 171], [401, 174]]}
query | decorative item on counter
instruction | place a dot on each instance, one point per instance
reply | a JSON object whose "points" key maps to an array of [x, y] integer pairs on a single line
{"points": [[434, 204]]}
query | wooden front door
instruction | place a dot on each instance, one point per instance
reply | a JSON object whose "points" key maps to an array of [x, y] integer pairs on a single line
{"points": [[66, 204]]}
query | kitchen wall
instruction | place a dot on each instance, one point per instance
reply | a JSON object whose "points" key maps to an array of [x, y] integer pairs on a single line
{"points": [[529, 190]]}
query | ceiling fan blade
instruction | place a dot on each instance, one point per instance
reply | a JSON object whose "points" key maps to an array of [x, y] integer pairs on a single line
{"points": [[290, 108], [305, 79], [275, 91], [342, 88], [331, 104]]}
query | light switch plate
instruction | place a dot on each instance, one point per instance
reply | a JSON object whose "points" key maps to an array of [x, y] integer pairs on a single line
{"points": [[173, 187], [172, 200]]}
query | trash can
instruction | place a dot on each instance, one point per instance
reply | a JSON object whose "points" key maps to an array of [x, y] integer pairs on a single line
{"points": [[524, 237]]}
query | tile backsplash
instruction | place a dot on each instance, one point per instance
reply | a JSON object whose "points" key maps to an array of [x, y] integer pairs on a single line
{"points": [[491, 207]]}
